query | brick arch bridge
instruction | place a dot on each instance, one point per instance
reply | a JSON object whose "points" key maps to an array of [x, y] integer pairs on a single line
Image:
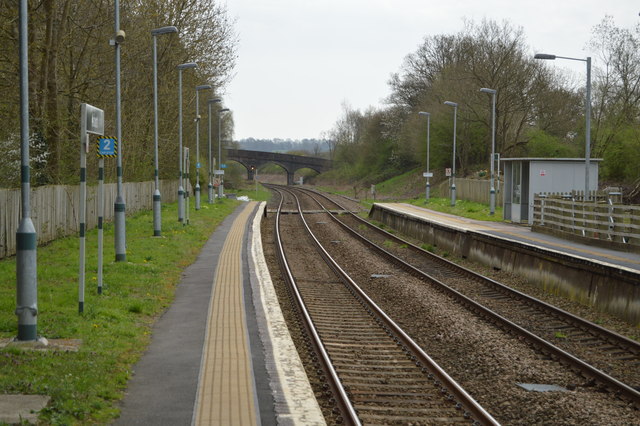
{"points": [[290, 163]]}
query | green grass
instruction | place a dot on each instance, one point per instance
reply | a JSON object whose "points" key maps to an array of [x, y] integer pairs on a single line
{"points": [[85, 386], [464, 208], [249, 189]]}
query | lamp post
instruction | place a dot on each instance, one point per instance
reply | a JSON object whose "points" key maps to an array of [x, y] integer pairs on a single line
{"points": [[210, 185], [453, 167], [180, 177], [492, 191], [427, 174], [119, 207], [157, 214], [587, 147], [26, 237], [221, 186], [197, 190]]}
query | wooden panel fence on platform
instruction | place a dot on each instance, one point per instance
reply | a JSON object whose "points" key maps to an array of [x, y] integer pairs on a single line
{"points": [[598, 219], [54, 209]]}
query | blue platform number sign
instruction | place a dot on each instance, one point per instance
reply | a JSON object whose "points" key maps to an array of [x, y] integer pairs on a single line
{"points": [[223, 166], [107, 147]]}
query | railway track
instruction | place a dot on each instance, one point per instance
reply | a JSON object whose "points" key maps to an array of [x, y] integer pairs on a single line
{"points": [[601, 355], [375, 372]]}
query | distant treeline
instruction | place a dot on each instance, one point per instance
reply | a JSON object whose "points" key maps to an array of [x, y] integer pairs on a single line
{"points": [[312, 146]]}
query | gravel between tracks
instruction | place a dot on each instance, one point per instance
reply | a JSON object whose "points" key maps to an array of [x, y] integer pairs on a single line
{"points": [[487, 362]]}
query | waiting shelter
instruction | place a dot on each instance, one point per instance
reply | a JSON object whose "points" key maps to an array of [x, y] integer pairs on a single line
{"points": [[524, 177]]}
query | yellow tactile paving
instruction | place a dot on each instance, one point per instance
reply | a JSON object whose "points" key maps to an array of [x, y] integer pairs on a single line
{"points": [[226, 389]]}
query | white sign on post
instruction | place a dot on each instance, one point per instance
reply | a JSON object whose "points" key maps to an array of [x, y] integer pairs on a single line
{"points": [[447, 171], [94, 119], [427, 174], [91, 121]]}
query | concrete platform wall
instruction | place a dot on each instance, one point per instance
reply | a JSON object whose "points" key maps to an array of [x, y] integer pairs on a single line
{"points": [[609, 289]]}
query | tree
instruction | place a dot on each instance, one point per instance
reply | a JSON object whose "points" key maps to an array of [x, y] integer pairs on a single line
{"points": [[71, 61]]}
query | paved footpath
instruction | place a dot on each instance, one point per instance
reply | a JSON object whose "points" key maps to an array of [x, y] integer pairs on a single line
{"points": [[222, 353], [164, 389]]}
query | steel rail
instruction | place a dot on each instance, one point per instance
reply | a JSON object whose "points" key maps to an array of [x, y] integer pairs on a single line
{"points": [[343, 403], [586, 369], [447, 383]]}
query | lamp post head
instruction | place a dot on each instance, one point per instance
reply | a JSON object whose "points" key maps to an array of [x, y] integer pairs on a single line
{"points": [[187, 65], [213, 101], [490, 91], [224, 110], [424, 113], [164, 30], [203, 87], [452, 104], [544, 56]]}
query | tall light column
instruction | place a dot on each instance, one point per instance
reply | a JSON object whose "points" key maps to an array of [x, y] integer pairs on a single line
{"points": [[180, 174], [197, 190], [157, 213], [119, 207], [221, 186], [209, 160], [587, 142], [453, 166], [492, 191], [26, 238], [427, 174]]}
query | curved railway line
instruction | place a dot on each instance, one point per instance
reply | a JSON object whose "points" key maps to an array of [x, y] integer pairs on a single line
{"points": [[343, 333], [376, 373], [610, 353]]}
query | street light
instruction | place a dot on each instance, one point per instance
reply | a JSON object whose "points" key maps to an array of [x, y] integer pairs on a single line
{"points": [[26, 237], [453, 168], [157, 218], [221, 186], [119, 207], [210, 185], [492, 191], [181, 193], [587, 147], [198, 89], [427, 174]]}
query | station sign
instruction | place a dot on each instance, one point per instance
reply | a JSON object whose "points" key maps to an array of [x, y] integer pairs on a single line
{"points": [[94, 119], [427, 174], [107, 147]]}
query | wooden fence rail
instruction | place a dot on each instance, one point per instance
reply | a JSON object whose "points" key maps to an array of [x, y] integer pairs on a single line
{"points": [[601, 220], [54, 209], [476, 190]]}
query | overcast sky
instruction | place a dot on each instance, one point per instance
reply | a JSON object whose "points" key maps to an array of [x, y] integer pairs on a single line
{"points": [[299, 60]]}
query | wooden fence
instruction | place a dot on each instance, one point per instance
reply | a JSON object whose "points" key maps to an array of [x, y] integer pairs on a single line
{"points": [[54, 209], [472, 190], [601, 219]]}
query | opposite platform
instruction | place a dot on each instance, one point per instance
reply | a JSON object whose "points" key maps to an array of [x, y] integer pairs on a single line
{"points": [[606, 279], [523, 234]]}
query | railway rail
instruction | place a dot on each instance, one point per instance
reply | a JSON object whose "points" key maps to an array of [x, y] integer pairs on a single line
{"points": [[597, 353], [375, 372]]}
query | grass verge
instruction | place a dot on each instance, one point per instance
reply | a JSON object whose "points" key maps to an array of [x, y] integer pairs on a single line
{"points": [[86, 385]]}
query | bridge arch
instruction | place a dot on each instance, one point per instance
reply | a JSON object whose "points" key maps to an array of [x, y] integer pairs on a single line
{"points": [[251, 160]]}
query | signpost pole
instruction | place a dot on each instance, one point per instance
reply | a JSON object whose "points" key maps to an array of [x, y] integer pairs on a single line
{"points": [[83, 201], [91, 121], [186, 188], [100, 220]]}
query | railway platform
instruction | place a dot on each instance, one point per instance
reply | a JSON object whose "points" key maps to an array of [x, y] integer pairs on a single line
{"points": [[222, 354], [522, 234]]}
